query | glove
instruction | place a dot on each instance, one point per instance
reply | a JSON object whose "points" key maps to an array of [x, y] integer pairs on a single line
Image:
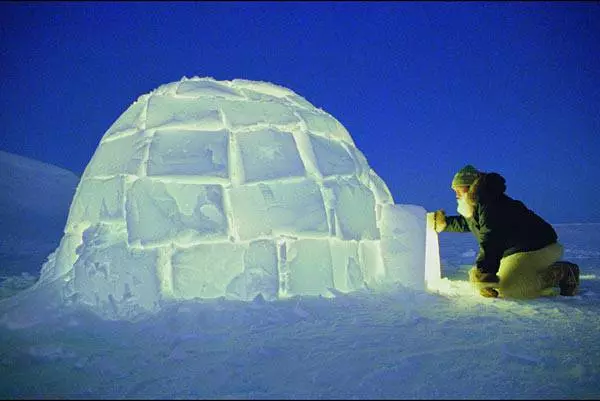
{"points": [[478, 276], [437, 220]]}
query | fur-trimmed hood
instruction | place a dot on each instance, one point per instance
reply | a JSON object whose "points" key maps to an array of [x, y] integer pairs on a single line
{"points": [[487, 187]]}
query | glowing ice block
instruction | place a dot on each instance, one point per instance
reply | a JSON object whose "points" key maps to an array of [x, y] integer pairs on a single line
{"points": [[433, 271], [403, 244]]}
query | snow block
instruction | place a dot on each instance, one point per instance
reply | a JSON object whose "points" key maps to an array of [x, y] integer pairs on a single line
{"points": [[161, 212], [243, 114], [111, 278], [260, 275], [206, 270], [189, 153], [100, 200], [269, 154], [322, 123], [207, 88], [308, 268], [293, 208], [123, 155], [332, 157], [346, 265], [403, 237], [354, 207], [131, 119], [173, 112]]}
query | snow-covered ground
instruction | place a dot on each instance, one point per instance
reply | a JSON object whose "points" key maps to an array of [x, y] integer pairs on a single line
{"points": [[394, 344], [398, 343]]}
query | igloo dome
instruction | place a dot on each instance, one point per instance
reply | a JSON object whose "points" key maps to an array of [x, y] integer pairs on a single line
{"points": [[206, 188]]}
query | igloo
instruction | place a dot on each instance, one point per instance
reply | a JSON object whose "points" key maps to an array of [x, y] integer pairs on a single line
{"points": [[207, 189]]}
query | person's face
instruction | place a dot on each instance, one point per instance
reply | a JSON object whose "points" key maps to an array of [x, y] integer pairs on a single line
{"points": [[460, 191]]}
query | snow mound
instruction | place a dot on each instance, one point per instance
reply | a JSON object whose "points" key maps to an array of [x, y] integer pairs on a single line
{"points": [[32, 225], [235, 189]]}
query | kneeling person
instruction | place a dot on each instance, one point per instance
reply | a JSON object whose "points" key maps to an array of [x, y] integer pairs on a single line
{"points": [[518, 250]]}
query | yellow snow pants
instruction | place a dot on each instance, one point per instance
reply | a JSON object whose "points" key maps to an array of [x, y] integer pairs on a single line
{"points": [[528, 274]]}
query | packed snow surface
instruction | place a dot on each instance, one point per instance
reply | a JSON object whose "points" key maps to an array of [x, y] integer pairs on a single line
{"points": [[401, 344]]}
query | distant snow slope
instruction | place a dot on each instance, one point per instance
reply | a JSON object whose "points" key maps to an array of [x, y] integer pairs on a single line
{"points": [[34, 204]]}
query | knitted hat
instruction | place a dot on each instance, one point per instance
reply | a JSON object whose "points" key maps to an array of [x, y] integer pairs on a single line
{"points": [[465, 176]]}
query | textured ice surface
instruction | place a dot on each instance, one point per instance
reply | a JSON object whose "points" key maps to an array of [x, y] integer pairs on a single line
{"points": [[271, 208], [206, 189], [268, 147], [189, 152], [158, 212]]}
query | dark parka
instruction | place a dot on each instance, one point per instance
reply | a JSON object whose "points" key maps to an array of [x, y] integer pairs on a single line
{"points": [[502, 225]]}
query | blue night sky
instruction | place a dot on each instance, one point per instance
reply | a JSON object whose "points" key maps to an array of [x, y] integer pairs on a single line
{"points": [[423, 87]]}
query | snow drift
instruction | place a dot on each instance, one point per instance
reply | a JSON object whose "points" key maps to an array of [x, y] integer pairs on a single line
{"points": [[34, 205]]}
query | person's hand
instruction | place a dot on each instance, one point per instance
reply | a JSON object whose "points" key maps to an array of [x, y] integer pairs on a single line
{"points": [[437, 220]]}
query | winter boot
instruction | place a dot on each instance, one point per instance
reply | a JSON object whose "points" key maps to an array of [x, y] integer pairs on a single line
{"points": [[488, 292], [569, 284], [566, 276]]}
